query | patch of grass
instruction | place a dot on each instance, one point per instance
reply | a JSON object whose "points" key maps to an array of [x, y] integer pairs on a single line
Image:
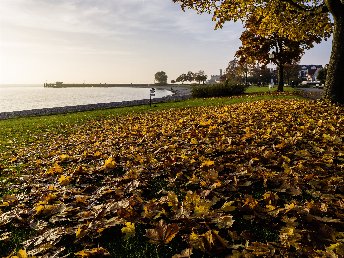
{"points": [[264, 89], [138, 246], [18, 235]]}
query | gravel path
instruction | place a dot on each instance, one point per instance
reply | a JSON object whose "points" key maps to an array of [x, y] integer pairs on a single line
{"points": [[179, 93]]}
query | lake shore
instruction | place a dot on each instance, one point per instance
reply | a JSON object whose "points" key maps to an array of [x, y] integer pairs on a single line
{"points": [[180, 92]]}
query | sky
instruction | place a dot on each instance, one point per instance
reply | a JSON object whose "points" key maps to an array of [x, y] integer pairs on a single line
{"points": [[114, 41]]}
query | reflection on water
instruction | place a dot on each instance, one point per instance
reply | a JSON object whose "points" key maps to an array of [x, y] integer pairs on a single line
{"points": [[26, 97]]}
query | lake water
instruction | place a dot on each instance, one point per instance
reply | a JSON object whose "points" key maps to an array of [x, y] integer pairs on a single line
{"points": [[27, 97]]}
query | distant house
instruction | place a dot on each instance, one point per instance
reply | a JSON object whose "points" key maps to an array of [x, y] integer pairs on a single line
{"points": [[215, 78], [309, 72]]}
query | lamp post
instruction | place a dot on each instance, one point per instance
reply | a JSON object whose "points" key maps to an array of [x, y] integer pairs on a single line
{"points": [[271, 57]]}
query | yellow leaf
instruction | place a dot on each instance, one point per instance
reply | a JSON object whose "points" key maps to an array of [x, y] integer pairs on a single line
{"points": [[81, 231], [172, 200], [196, 241], [289, 207], [207, 163], [81, 199], [50, 197], [205, 123], [227, 206], [270, 207], [109, 163], [22, 254], [56, 169], [95, 252], [129, 229], [65, 180], [39, 209], [193, 141], [64, 157]]}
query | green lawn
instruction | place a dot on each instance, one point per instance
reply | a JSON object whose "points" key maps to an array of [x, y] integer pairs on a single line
{"points": [[263, 89]]}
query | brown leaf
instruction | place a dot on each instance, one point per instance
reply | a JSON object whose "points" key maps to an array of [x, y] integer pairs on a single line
{"points": [[163, 233]]}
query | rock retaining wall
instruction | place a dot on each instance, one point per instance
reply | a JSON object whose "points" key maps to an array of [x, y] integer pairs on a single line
{"points": [[89, 107]]}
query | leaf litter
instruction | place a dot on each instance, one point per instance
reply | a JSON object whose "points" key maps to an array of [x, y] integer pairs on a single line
{"points": [[262, 178]]}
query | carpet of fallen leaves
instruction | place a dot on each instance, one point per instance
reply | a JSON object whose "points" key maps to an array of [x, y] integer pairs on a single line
{"points": [[260, 178]]}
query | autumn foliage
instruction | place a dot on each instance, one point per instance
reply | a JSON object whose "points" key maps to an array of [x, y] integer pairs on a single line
{"points": [[261, 178]]}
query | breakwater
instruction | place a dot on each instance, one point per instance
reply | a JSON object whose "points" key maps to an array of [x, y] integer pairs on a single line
{"points": [[99, 85], [179, 94]]}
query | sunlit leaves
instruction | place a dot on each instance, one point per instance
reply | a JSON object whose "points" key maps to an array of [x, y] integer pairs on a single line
{"points": [[128, 229], [253, 178], [64, 180], [109, 163], [55, 169], [22, 254]]}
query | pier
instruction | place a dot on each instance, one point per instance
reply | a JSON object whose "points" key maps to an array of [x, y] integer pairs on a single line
{"points": [[103, 85]]}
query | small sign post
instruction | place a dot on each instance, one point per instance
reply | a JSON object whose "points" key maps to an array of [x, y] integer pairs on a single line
{"points": [[152, 94]]}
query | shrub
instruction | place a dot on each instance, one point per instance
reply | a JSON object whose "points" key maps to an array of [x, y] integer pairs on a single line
{"points": [[218, 90]]}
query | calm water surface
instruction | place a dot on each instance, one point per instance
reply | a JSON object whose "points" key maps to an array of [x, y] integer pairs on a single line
{"points": [[26, 97]]}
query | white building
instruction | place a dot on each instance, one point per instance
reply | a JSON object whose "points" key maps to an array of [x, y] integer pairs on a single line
{"points": [[215, 78]]}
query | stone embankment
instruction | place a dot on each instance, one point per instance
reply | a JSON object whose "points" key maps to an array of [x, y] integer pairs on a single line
{"points": [[178, 95]]}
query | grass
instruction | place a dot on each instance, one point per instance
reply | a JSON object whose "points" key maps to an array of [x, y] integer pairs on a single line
{"points": [[264, 89], [25, 131]]}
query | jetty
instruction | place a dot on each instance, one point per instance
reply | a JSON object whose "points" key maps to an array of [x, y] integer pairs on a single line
{"points": [[99, 85]]}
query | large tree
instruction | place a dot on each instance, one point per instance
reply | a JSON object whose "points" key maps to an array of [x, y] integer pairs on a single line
{"points": [[293, 19], [236, 72], [161, 78], [257, 48]]}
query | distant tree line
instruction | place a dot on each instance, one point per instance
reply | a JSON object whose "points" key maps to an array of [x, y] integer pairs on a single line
{"points": [[242, 73], [191, 77]]}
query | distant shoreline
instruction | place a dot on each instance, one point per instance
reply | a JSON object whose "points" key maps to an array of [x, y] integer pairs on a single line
{"points": [[110, 85], [180, 92]]}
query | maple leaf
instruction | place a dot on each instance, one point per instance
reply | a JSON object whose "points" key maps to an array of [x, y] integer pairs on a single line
{"points": [[205, 123], [21, 254], [207, 241], [64, 157], [227, 206], [47, 209], [207, 163], [128, 229], [109, 164], [196, 241], [56, 169], [163, 233], [93, 253], [64, 180]]}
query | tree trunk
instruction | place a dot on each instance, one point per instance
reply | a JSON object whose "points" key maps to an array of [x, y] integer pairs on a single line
{"points": [[280, 78], [334, 85]]}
